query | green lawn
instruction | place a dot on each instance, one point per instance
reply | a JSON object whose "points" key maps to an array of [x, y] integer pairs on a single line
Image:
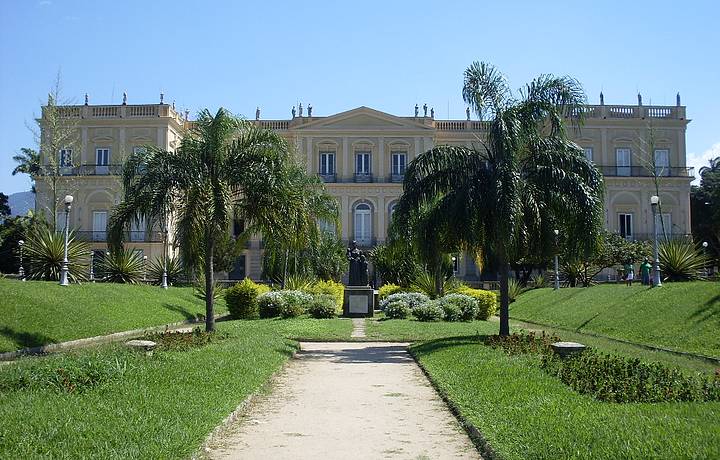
{"points": [[680, 316], [524, 413], [163, 407], [410, 330], [36, 313]]}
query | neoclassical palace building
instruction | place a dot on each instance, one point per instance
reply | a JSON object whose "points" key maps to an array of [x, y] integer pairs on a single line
{"points": [[362, 154]]}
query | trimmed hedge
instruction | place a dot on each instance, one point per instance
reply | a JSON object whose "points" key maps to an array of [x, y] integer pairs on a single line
{"points": [[241, 299], [322, 306], [430, 311], [330, 287], [412, 299], [459, 307], [387, 290], [487, 301]]}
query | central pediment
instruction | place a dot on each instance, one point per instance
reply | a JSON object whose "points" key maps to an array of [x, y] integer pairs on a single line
{"points": [[364, 119]]}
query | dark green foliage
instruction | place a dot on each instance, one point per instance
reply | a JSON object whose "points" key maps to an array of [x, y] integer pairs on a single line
{"points": [[270, 304], [324, 259], [430, 311], [68, 372], [623, 380], [515, 343], [183, 341], [4, 207], [322, 306], [515, 289], [122, 266], [395, 263], [705, 209], [44, 250], [12, 230], [241, 299], [681, 260]]}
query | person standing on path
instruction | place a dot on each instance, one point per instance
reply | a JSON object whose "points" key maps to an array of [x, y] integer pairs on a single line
{"points": [[629, 272], [645, 268]]}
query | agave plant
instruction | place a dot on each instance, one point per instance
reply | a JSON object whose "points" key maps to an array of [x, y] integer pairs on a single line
{"points": [[44, 252], [425, 283], [299, 282], [515, 288], [539, 280], [174, 270], [681, 260], [122, 266]]}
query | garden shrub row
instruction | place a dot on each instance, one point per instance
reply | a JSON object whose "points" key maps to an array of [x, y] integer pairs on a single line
{"points": [[612, 378], [465, 305]]}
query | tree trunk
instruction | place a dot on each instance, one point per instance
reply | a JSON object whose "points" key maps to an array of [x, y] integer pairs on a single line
{"points": [[504, 298], [439, 281], [209, 286]]}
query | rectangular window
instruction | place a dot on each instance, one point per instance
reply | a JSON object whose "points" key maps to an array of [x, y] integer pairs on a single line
{"points": [[625, 225], [139, 150], [588, 153], [622, 158], [99, 225], [327, 163], [137, 230], [102, 156], [65, 157], [362, 163], [398, 163], [326, 226], [662, 162]]}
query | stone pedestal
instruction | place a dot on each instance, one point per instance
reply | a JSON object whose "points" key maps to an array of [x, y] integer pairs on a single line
{"points": [[566, 349], [359, 301]]}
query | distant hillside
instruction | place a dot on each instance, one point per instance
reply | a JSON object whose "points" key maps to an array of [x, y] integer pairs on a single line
{"points": [[21, 202]]}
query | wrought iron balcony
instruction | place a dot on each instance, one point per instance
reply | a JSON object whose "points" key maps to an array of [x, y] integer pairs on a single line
{"points": [[84, 170], [661, 236], [129, 237], [363, 177], [328, 177], [642, 171]]}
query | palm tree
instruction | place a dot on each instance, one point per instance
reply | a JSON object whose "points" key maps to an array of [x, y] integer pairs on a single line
{"points": [[224, 167], [506, 195], [28, 163]]}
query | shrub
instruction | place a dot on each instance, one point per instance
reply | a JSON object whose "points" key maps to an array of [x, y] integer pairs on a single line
{"points": [[486, 300], [515, 343], [174, 270], [430, 311], [412, 299], [44, 252], [288, 304], [270, 303], [334, 289], [623, 380], [199, 291], [387, 290], [299, 282], [122, 266], [425, 283], [322, 306], [397, 309], [241, 299], [182, 341], [538, 280], [459, 307], [515, 288], [681, 261]]}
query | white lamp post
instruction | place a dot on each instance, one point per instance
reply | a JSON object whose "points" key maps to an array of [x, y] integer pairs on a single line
{"points": [[164, 275], [92, 266], [21, 271], [454, 260], [704, 245], [557, 267], [64, 269], [144, 268], [654, 203]]}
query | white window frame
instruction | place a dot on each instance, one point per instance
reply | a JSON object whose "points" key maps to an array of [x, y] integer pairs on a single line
{"points": [[662, 169], [327, 162], [623, 160], [137, 230], [365, 164], [588, 153], [65, 158], [97, 233], [624, 218], [398, 163], [102, 156], [362, 224]]}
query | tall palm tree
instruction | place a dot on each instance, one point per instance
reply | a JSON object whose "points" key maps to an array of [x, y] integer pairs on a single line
{"points": [[28, 161], [224, 167], [506, 195]]}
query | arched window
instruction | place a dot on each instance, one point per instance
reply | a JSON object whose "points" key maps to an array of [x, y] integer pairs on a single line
{"points": [[363, 224]]}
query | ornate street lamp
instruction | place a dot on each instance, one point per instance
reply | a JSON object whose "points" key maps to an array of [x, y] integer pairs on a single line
{"points": [[21, 272], [654, 203], [164, 275], [145, 268], [557, 267], [704, 245], [64, 269], [92, 266]]}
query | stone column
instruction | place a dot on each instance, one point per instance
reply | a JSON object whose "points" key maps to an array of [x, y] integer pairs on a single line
{"points": [[346, 162], [344, 214], [604, 154], [381, 159], [310, 160], [382, 229]]}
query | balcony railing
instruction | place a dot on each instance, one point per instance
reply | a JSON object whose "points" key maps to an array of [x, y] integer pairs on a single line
{"points": [[661, 236], [328, 177], [129, 237], [120, 111], [86, 170], [642, 171], [363, 177]]}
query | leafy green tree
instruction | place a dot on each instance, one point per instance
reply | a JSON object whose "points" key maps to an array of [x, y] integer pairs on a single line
{"points": [[28, 161], [705, 208], [224, 167], [504, 196], [4, 207], [12, 230]]}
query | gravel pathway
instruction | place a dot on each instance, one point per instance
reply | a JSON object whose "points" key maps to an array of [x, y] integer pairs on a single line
{"points": [[358, 328], [351, 401]]}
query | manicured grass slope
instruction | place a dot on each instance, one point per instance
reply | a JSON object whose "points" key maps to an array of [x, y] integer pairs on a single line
{"points": [[680, 316], [410, 330], [36, 313], [524, 413], [164, 406]]}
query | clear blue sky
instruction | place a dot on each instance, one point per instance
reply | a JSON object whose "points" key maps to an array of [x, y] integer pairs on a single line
{"points": [[339, 55]]}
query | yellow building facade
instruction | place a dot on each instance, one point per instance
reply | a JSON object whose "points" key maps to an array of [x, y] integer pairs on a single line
{"points": [[362, 154]]}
